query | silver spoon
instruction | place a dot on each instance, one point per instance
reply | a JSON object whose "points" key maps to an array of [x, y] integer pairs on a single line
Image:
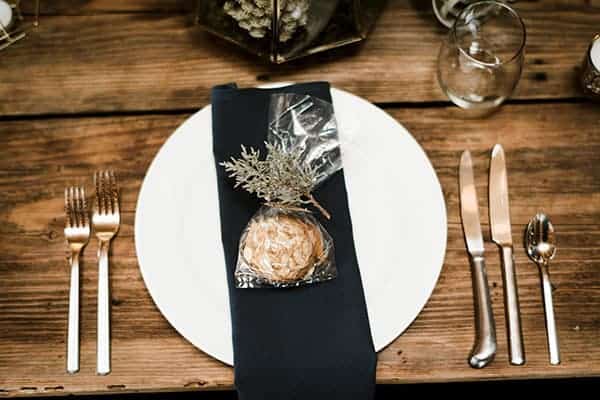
{"points": [[541, 247]]}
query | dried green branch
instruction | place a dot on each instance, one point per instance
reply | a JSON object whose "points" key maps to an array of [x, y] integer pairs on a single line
{"points": [[280, 179]]}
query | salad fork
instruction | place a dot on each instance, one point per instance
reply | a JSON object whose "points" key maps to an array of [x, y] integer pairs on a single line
{"points": [[106, 220], [77, 234]]}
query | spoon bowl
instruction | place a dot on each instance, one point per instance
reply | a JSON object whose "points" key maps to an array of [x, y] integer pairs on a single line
{"points": [[540, 242]]}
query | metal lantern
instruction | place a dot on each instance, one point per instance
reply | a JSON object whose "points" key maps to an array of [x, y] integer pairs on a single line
{"points": [[282, 30]]}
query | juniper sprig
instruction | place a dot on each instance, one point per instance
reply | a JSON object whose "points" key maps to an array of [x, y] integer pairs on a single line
{"points": [[281, 179]]}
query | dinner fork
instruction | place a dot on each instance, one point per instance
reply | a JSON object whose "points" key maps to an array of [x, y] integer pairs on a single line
{"points": [[77, 234], [106, 220]]}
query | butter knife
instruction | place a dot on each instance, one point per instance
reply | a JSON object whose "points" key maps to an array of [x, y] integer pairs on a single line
{"points": [[484, 348], [501, 235]]}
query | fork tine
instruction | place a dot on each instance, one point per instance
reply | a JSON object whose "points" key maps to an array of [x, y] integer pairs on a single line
{"points": [[107, 190], [68, 211], [80, 209], [117, 195], [73, 206], [96, 204], [99, 201], [105, 197], [102, 193], [114, 191], [84, 209], [77, 207]]}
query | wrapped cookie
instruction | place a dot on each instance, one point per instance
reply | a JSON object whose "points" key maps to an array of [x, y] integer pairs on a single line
{"points": [[283, 244]]}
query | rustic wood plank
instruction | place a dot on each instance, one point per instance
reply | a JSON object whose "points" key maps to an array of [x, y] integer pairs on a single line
{"points": [[80, 7], [83, 7], [553, 152], [124, 62]]}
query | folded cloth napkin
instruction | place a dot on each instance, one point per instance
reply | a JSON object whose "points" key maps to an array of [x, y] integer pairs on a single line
{"points": [[306, 343]]}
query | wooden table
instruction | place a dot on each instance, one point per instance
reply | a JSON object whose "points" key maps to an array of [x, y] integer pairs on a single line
{"points": [[104, 83]]}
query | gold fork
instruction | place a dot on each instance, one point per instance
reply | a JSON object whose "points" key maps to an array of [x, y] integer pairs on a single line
{"points": [[77, 233], [106, 220]]}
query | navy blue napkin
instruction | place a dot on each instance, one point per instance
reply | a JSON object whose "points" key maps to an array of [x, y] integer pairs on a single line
{"points": [[307, 343]]}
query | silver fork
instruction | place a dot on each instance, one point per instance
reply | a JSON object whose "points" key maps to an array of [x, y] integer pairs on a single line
{"points": [[106, 220], [77, 233]]}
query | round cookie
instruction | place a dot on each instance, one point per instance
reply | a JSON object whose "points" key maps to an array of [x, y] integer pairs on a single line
{"points": [[282, 247]]}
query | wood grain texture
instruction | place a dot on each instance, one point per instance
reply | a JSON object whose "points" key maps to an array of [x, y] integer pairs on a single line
{"points": [[119, 62], [80, 7], [553, 153], [85, 7]]}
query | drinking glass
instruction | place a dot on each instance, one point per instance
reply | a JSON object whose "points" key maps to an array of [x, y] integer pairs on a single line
{"points": [[480, 61]]}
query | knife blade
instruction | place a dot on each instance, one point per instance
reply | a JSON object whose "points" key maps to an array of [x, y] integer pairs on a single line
{"points": [[484, 348], [469, 209], [499, 207], [501, 235]]}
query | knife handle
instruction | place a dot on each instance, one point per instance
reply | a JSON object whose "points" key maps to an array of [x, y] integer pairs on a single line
{"points": [[511, 307], [484, 348]]}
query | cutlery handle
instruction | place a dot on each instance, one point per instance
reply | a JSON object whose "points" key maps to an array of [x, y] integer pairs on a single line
{"points": [[549, 312], [484, 349], [73, 325], [103, 328], [511, 306]]}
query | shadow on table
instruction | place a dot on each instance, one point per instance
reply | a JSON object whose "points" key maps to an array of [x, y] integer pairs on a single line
{"points": [[385, 392]]}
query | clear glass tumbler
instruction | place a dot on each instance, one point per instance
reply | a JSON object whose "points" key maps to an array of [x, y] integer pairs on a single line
{"points": [[480, 61]]}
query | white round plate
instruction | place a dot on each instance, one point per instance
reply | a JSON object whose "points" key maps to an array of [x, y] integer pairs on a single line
{"points": [[396, 204]]}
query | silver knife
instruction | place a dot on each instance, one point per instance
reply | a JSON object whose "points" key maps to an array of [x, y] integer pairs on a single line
{"points": [[484, 348], [501, 235]]}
